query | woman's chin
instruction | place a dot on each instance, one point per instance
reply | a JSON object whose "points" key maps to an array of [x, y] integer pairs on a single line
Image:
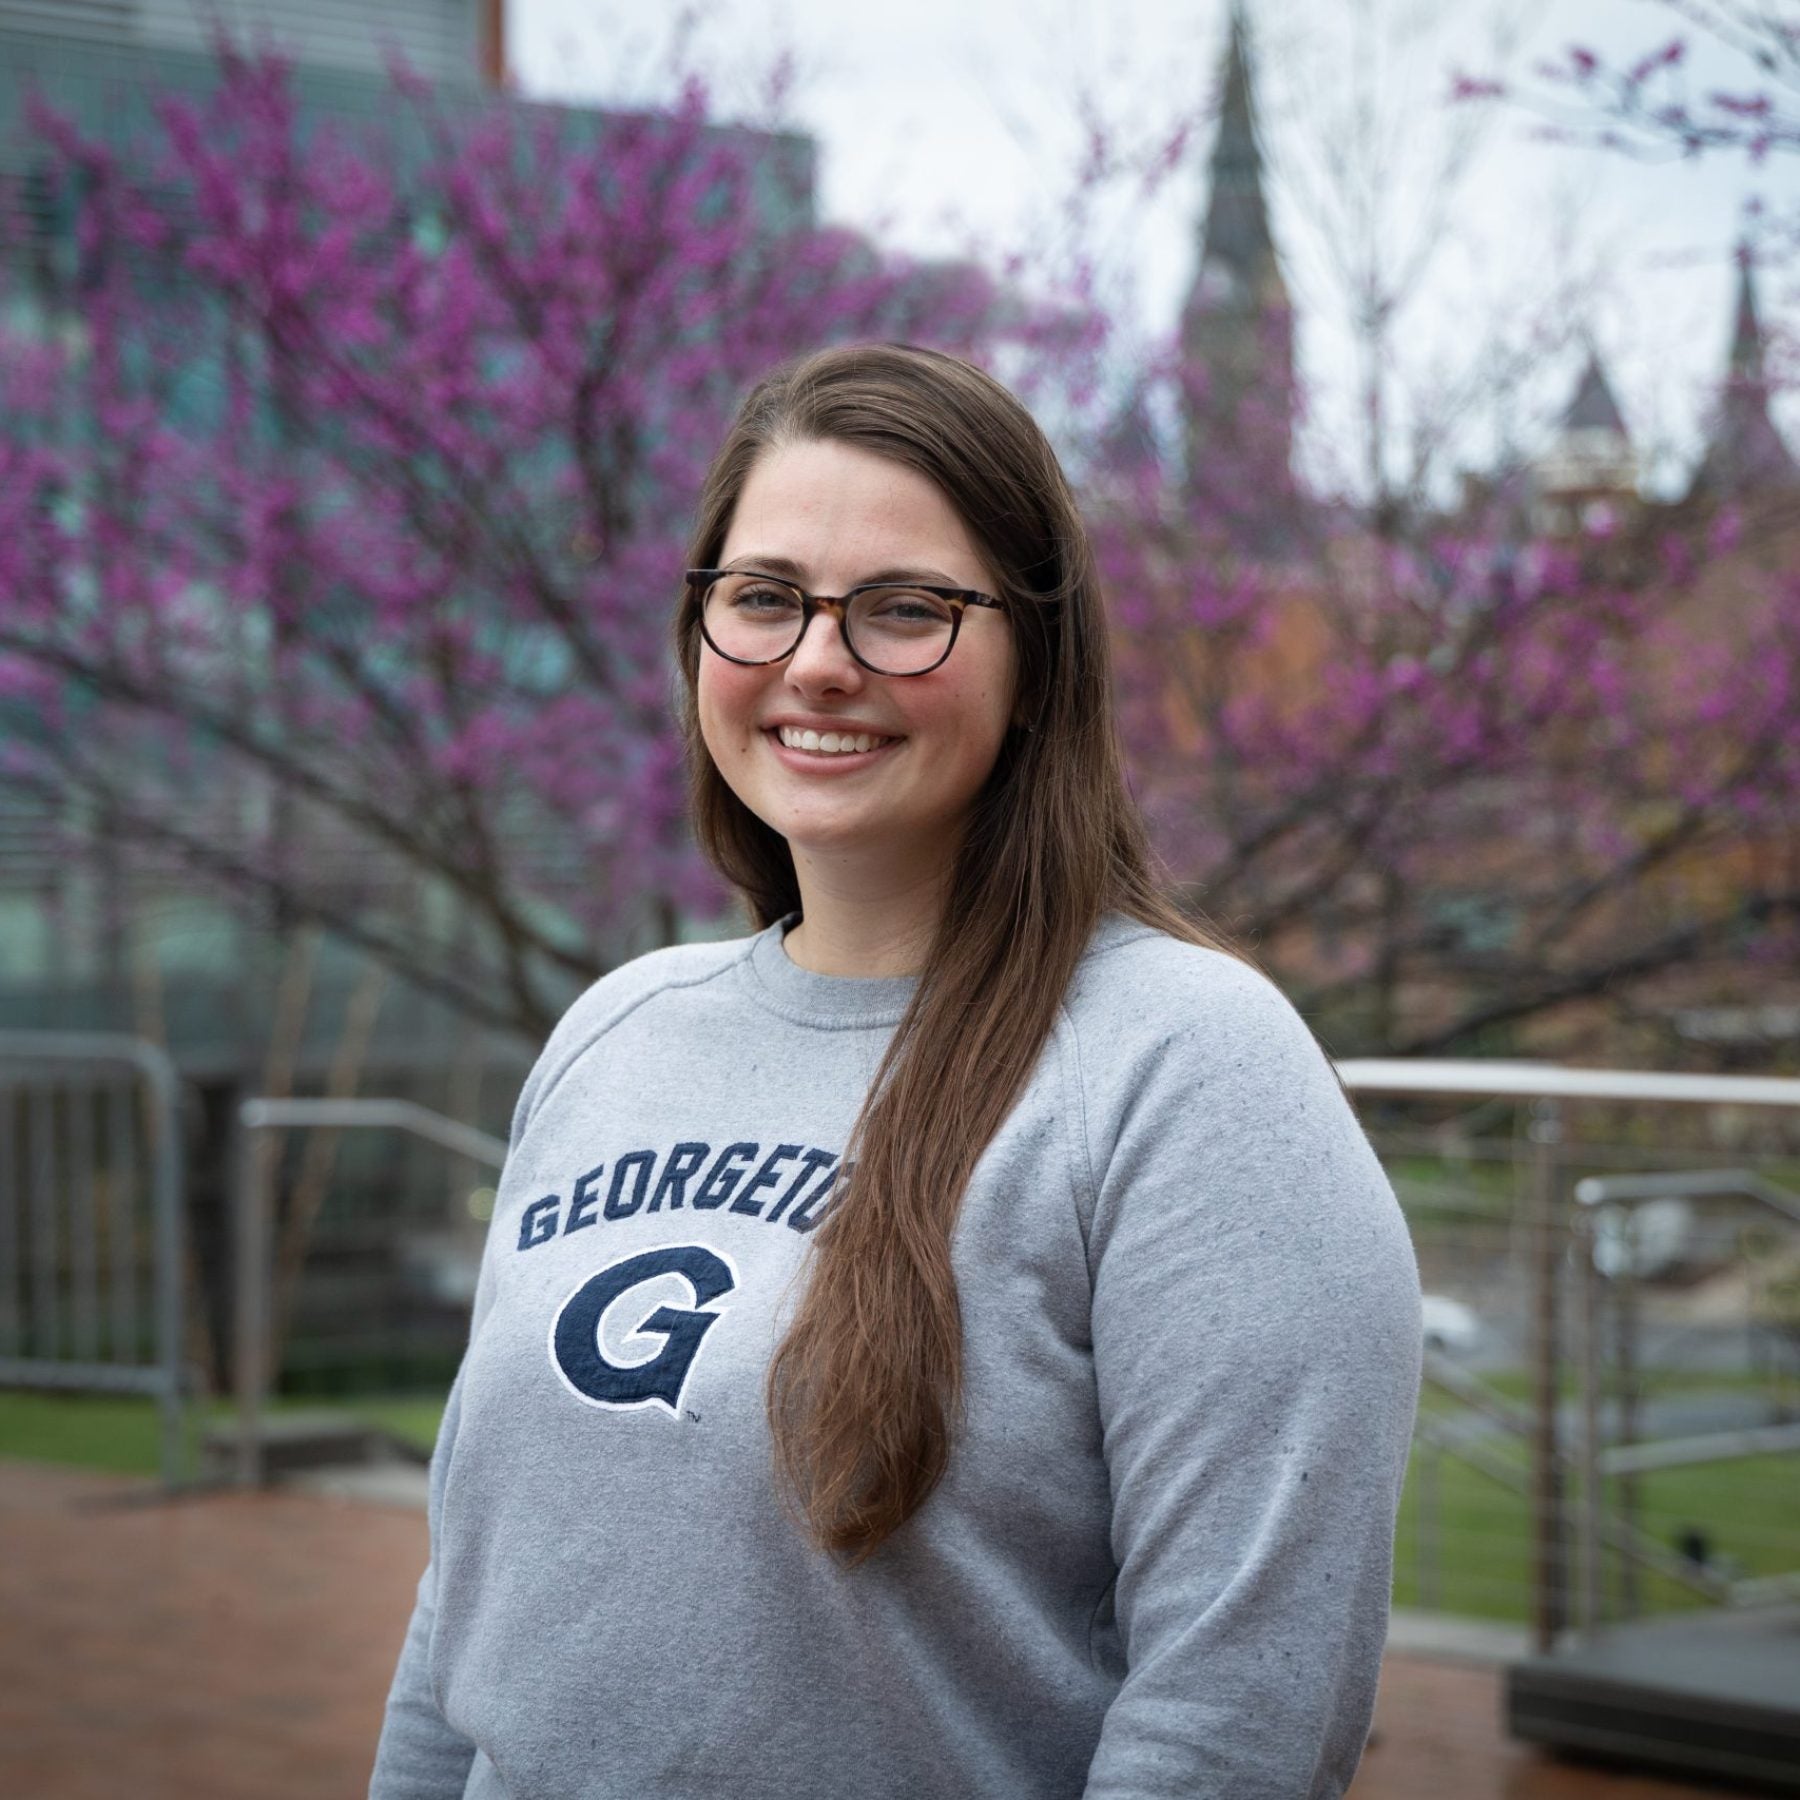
{"points": [[832, 834], [809, 835]]}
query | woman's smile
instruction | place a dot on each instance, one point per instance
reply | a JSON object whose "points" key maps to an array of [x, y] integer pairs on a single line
{"points": [[832, 743]]}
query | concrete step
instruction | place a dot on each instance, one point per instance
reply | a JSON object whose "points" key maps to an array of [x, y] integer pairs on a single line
{"points": [[389, 1484], [295, 1443]]}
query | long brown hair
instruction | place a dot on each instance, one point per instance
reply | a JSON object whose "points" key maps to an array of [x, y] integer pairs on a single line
{"points": [[864, 1392]]}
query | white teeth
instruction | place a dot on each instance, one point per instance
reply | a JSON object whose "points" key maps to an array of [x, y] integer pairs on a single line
{"points": [[830, 743]]}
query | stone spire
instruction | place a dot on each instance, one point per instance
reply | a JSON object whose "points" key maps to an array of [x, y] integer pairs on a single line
{"points": [[1745, 452], [1236, 250], [1237, 333]]}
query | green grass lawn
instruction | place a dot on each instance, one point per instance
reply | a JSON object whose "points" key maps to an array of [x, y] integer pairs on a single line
{"points": [[1519, 1385], [1434, 1192], [1749, 1509], [123, 1436]]}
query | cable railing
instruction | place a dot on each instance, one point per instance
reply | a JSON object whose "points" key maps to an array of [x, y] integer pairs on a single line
{"points": [[1575, 1449]]}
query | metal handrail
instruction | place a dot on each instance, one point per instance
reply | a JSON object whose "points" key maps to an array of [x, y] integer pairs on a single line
{"points": [[1698, 1184], [1550, 1081], [388, 1115], [1710, 1447], [253, 1271]]}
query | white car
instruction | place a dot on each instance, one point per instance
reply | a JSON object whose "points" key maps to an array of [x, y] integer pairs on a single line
{"points": [[1449, 1325]]}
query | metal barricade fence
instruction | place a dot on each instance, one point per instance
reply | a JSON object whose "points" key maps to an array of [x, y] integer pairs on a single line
{"points": [[91, 1197]]}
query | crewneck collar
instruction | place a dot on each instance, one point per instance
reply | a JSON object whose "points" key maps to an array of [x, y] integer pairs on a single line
{"points": [[848, 1002], [832, 1001]]}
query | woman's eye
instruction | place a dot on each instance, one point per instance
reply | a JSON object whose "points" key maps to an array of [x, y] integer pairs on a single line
{"points": [[904, 608], [764, 600]]}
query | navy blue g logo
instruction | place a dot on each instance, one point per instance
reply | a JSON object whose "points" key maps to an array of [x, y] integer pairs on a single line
{"points": [[575, 1337]]}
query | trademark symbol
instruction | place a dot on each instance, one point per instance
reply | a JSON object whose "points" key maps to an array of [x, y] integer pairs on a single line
{"points": [[693, 1415]]}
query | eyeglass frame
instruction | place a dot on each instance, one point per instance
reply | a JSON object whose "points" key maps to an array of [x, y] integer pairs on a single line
{"points": [[838, 606]]}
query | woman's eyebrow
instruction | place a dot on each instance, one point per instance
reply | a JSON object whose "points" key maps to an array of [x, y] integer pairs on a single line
{"points": [[783, 566], [789, 570], [934, 577]]}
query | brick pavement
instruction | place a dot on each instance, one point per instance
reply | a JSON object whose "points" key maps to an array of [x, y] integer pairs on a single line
{"points": [[239, 1646], [226, 1647], [1438, 1736]]}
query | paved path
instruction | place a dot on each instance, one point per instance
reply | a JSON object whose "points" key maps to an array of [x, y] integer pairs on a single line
{"points": [[231, 1647], [238, 1647]]}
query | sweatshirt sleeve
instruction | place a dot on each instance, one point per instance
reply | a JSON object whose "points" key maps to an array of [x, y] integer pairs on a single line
{"points": [[1256, 1342], [420, 1756]]}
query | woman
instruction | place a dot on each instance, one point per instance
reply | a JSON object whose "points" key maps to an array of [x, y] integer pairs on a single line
{"points": [[956, 1341]]}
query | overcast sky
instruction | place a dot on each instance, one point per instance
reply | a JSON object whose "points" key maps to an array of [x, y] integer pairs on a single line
{"points": [[950, 124]]}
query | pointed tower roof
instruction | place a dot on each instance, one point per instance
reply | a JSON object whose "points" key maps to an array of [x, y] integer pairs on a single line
{"points": [[1746, 330], [1235, 231], [1237, 328], [1745, 451], [1590, 466], [1594, 408]]}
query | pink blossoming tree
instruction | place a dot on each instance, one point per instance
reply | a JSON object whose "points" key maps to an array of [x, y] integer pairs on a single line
{"points": [[343, 491], [342, 498]]}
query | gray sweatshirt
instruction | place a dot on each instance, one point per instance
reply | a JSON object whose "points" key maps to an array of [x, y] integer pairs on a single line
{"points": [[1158, 1564]]}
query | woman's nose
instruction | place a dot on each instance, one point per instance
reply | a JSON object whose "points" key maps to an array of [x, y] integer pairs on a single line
{"points": [[822, 658]]}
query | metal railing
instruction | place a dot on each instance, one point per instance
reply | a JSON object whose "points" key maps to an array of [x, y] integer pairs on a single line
{"points": [[1629, 1457], [74, 1240], [253, 1268], [1541, 1452], [1551, 1229]]}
